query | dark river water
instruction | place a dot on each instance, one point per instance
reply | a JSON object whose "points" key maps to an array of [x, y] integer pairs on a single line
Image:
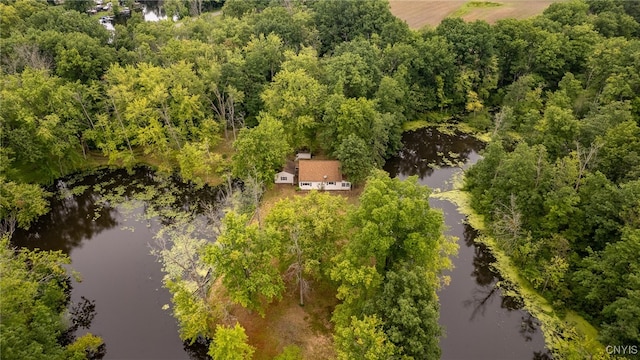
{"points": [[479, 322], [109, 247]]}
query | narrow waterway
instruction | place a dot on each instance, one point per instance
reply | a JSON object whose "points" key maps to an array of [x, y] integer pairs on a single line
{"points": [[479, 322]]}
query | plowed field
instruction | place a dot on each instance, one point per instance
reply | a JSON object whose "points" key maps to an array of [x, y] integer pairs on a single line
{"points": [[418, 13]]}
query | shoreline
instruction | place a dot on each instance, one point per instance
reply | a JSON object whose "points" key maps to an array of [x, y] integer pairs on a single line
{"points": [[569, 335]]}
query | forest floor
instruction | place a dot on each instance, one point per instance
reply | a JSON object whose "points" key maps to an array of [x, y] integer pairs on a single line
{"points": [[286, 323], [418, 13]]}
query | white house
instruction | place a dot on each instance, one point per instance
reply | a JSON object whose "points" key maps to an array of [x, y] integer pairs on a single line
{"points": [[287, 175], [321, 175], [303, 156]]}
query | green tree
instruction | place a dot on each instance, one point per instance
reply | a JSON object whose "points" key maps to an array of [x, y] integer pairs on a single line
{"points": [[230, 344], [391, 266], [393, 224], [558, 131], [81, 57], [341, 21], [293, 27], [309, 227], [355, 159], [20, 205], [364, 339], [243, 255], [610, 279], [619, 157], [187, 277], [79, 5], [433, 75], [296, 99], [197, 162], [238, 8], [263, 55], [351, 75], [33, 301], [157, 110], [409, 309], [41, 125], [261, 151], [345, 117]]}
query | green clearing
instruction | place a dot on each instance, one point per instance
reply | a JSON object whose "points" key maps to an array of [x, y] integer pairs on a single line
{"points": [[467, 7]]}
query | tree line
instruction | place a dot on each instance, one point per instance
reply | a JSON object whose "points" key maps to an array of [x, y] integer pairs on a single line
{"points": [[559, 92]]}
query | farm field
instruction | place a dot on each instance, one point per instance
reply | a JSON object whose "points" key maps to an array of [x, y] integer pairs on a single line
{"points": [[418, 13]]}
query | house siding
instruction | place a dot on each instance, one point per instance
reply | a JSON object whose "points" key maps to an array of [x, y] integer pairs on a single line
{"points": [[318, 185], [284, 177]]}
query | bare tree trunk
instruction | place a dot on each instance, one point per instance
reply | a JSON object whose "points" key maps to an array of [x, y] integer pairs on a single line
{"points": [[538, 168], [8, 225], [232, 114], [220, 110], [584, 162], [167, 121], [298, 266], [78, 98], [124, 130]]}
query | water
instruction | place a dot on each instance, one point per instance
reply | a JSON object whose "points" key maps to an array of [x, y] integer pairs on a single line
{"points": [[112, 254], [479, 322]]}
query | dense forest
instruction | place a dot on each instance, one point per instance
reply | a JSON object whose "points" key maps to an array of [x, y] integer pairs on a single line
{"points": [[559, 183]]}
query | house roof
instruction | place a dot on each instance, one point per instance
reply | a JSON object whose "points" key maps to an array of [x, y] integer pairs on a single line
{"points": [[316, 170]]}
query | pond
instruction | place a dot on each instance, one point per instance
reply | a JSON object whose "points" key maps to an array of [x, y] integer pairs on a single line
{"points": [[479, 322], [110, 247]]}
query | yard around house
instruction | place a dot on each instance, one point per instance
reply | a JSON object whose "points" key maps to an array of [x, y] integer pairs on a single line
{"points": [[418, 13], [285, 322]]}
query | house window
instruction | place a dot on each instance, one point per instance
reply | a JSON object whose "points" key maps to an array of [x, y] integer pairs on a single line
{"points": [[305, 184], [331, 183], [283, 178], [346, 184]]}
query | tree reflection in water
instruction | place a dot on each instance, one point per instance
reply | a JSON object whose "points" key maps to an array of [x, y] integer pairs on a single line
{"points": [[433, 156], [198, 350], [80, 212], [83, 206], [427, 148], [489, 280]]}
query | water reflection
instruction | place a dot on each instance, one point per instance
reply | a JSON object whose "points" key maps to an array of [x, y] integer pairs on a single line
{"points": [[71, 220], [427, 149], [470, 314], [153, 10], [105, 222]]}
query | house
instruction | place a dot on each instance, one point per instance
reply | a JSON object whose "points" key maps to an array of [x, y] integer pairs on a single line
{"points": [[287, 175], [303, 156], [321, 175]]}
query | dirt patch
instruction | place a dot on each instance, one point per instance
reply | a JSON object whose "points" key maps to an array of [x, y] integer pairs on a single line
{"points": [[418, 13], [287, 323]]}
